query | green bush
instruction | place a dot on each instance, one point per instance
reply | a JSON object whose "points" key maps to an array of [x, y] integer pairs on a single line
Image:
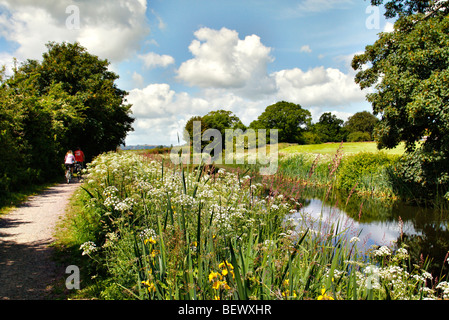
{"points": [[359, 136], [311, 138], [366, 171], [420, 177]]}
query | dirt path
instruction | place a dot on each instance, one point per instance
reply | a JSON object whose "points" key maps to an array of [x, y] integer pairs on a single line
{"points": [[26, 268]]}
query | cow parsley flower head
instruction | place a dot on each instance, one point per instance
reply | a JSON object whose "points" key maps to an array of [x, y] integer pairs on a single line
{"points": [[88, 247], [382, 252]]}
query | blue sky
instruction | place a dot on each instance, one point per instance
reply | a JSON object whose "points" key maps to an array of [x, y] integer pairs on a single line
{"points": [[180, 58]]}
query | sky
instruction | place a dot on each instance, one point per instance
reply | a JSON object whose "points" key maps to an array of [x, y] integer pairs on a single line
{"points": [[182, 58]]}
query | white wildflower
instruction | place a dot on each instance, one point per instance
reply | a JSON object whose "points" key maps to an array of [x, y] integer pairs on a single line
{"points": [[147, 234], [88, 247], [402, 253], [382, 252], [354, 239]]}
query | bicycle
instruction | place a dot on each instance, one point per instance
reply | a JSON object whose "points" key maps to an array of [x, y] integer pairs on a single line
{"points": [[68, 174], [78, 170]]}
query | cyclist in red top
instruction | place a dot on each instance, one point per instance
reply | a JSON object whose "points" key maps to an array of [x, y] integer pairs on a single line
{"points": [[79, 157]]}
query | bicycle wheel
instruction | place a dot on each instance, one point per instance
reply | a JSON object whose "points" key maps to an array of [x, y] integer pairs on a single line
{"points": [[68, 176]]}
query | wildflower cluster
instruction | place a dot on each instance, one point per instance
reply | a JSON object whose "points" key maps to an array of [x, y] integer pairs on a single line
{"points": [[176, 230]]}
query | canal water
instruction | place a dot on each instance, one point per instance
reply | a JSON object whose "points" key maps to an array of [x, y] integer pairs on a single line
{"points": [[425, 231]]}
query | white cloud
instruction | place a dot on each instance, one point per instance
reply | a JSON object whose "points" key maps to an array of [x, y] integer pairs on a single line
{"points": [[137, 79], [161, 113], [389, 27], [111, 29], [159, 100], [152, 101], [305, 48], [6, 60], [317, 87], [152, 60], [222, 60], [160, 131]]}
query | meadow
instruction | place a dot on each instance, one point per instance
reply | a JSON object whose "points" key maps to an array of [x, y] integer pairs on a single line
{"points": [[332, 147], [146, 229]]}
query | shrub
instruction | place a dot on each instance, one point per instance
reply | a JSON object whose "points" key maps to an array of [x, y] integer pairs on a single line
{"points": [[359, 136], [420, 177], [366, 171]]}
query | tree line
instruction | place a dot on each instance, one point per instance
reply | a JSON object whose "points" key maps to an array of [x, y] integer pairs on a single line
{"points": [[67, 100], [294, 124]]}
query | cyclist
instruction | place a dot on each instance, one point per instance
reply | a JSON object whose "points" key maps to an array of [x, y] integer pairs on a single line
{"points": [[79, 157], [69, 161], [79, 164]]}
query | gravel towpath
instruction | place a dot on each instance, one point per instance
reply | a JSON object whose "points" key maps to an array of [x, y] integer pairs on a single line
{"points": [[27, 270]]}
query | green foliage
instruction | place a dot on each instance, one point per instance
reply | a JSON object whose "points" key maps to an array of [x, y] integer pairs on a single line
{"points": [[290, 119], [410, 72], [359, 136], [219, 120], [422, 178], [188, 129], [192, 234], [363, 121], [395, 8], [312, 137], [68, 100], [329, 129], [360, 170], [222, 120]]}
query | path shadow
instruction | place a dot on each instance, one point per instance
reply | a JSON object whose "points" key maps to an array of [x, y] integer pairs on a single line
{"points": [[49, 192], [23, 275], [28, 270]]}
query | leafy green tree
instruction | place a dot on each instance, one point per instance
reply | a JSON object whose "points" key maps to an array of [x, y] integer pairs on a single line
{"points": [[290, 119], [219, 120], [12, 155], [91, 87], [394, 8], [362, 122], [409, 69], [69, 99], [222, 120], [188, 134], [330, 128]]}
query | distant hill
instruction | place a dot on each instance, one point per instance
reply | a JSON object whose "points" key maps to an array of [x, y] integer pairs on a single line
{"points": [[141, 147]]}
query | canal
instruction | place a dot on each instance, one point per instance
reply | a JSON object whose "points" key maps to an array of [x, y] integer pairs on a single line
{"points": [[425, 231]]}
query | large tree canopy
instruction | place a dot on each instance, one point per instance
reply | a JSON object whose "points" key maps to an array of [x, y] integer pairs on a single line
{"points": [[395, 8], [219, 120], [290, 119], [103, 120], [67, 100], [362, 122], [330, 128], [409, 69]]}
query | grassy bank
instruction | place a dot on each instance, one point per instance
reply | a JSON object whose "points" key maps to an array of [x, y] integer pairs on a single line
{"points": [[155, 231], [365, 173]]}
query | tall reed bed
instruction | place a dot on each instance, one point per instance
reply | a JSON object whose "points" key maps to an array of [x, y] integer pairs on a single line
{"points": [[158, 231], [365, 173]]}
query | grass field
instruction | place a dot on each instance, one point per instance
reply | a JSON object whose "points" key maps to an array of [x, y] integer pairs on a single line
{"points": [[348, 147]]}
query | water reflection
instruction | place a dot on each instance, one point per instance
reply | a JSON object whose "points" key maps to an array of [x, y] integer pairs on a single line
{"points": [[424, 230]]}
